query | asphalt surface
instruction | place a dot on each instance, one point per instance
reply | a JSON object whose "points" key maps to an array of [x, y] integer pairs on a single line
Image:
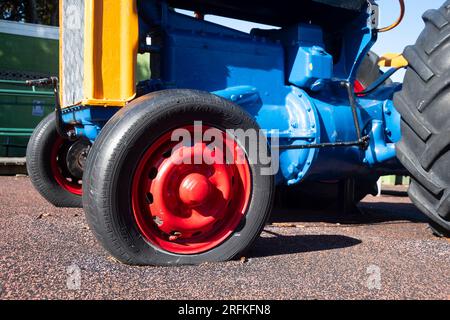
{"points": [[387, 252]]}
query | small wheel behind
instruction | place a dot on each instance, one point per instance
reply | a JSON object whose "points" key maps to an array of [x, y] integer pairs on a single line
{"points": [[55, 165]]}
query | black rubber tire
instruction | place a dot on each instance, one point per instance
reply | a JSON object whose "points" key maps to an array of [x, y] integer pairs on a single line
{"points": [[39, 169], [438, 231], [424, 104], [113, 159]]}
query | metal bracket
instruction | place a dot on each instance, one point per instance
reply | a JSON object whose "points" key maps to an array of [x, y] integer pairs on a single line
{"points": [[362, 141], [60, 126]]}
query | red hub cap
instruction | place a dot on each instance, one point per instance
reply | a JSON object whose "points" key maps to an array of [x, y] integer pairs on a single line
{"points": [[186, 206], [195, 189], [59, 169]]}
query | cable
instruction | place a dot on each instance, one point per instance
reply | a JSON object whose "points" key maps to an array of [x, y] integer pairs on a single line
{"points": [[382, 79], [399, 20]]}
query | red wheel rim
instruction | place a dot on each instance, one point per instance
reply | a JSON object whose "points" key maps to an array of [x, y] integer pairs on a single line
{"points": [[61, 176], [190, 208]]}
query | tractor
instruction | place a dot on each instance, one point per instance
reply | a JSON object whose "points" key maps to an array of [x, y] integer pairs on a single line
{"points": [[182, 168]]}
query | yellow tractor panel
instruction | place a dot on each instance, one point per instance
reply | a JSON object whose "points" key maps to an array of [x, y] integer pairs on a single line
{"points": [[109, 48]]}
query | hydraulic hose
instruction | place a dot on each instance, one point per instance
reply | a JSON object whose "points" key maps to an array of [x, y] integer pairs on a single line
{"points": [[398, 21]]}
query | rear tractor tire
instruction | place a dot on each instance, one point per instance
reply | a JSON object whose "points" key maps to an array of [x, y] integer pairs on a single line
{"points": [[424, 104]]}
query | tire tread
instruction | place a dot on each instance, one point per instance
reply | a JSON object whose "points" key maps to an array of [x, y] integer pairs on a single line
{"points": [[417, 104]]}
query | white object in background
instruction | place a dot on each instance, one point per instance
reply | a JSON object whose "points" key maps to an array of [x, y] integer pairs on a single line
{"points": [[29, 30]]}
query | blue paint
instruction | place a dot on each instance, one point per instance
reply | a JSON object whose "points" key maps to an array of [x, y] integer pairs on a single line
{"points": [[285, 79], [88, 121], [294, 122], [219, 62], [311, 64], [358, 38], [307, 60]]}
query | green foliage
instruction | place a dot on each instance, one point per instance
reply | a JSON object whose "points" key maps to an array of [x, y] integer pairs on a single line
{"points": [[31, 11]]}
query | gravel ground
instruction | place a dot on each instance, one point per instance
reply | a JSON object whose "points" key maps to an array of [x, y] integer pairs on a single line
{"points": [[387, 252]]}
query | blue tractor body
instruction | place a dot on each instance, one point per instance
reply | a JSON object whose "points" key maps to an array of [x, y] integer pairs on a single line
{"points": [[293, 80]]}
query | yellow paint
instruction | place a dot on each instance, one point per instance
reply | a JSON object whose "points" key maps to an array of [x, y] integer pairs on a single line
{"points": [[110, 52], [395, 60]]}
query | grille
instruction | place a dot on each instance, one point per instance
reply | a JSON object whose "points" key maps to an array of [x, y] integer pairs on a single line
{"points": [[72, 52], [22, 75]]}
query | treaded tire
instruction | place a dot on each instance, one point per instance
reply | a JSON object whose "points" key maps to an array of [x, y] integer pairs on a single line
{"points": [[438, 231], [38, 155], [424, 104], [114, 159]]}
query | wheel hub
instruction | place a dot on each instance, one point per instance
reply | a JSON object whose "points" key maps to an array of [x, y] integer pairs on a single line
{"points": [[189, 208], [195, 190], [76, 157]]}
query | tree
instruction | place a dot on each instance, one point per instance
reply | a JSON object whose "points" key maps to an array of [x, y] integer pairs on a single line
{"points": [[31, 11]]}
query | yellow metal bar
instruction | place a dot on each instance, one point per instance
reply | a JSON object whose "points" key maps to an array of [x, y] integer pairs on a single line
{"points": [[110, 52], [395, 60]]}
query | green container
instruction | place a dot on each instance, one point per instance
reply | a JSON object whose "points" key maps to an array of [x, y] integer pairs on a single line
{"points": [[27, 51], [21, 109]]}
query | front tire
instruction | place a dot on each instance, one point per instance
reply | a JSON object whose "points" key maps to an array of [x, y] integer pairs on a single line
{"points": [[147, 209], [424, 104]]}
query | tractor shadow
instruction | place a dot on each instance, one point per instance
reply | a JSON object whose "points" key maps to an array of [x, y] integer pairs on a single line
{"points": [[371, 211], [277, 244]]}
